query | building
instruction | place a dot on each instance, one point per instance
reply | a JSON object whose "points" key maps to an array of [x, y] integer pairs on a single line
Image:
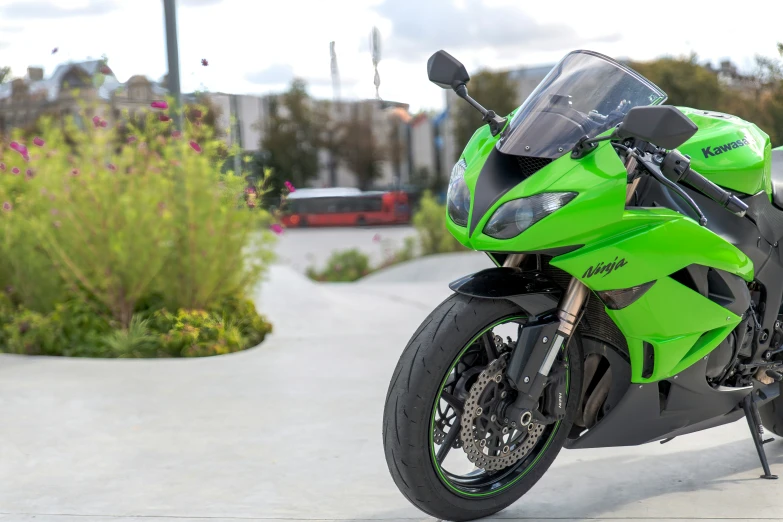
{"points": [[24, 100]]}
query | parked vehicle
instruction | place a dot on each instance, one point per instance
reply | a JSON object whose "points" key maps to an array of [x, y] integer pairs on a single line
{"points": [[636, 298], [345, 207]]}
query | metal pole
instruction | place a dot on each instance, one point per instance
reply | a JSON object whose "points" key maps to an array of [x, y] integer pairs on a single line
{"points": [[172, 52]]}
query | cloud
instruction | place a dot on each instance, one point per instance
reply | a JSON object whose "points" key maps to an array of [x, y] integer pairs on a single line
{"points": [[275, 74], [199, 3], [45, 9], [440, 24], [11, 29]]}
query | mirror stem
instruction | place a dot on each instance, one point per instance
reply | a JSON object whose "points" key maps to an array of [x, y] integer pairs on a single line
{"points": [[496, 123]]}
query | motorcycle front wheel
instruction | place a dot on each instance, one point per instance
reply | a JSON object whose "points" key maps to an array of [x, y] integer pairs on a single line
{"points": [[448, 446]]}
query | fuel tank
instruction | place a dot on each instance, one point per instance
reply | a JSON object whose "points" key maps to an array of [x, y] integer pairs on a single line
{"points": [[731, 152]]}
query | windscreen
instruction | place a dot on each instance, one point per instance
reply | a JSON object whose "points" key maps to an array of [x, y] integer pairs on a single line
{"points": [[585, 94]]}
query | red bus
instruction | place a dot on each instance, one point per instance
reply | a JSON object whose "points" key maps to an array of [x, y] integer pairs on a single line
{"points": [[345, 207]]}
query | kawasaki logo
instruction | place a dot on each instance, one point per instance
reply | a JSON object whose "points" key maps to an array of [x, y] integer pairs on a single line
{"points": [[720, 149], [604, 268]]}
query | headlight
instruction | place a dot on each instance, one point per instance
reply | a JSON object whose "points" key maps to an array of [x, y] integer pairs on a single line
{"points": [[458, 196], [516, 216]]}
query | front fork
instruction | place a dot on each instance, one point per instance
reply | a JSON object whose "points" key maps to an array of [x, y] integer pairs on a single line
{"points": [[537, 348]]}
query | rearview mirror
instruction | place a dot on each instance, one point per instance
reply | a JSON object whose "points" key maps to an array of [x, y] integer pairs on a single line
{"points": [[445, 71], [663, 125]]}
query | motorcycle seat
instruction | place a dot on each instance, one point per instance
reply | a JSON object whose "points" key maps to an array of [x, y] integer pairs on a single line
{"points": [[777, 178]]}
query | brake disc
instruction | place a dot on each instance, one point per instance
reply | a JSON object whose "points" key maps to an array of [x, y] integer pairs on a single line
{"points": [[489, 442]]}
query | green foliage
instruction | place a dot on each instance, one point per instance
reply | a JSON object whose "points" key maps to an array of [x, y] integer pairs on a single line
{"points": [[291, 138], [687, 82], [360, 149], [96, 237], [430, 223], [494, 90], [342, 266], [5, 74]]}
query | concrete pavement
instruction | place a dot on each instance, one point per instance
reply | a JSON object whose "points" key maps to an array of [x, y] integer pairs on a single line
{"points": [[291, 430]]}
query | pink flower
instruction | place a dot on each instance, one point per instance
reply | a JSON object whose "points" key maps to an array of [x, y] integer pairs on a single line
{"points": [[112, 167], [38, 141], [96, 120], [195, 146], [176, 134], [163, 117], [131, 139], [15, 170], [21, 149], [290, 186], [196, 113], [2, 166], [159, 104], [29, 174], [376, 238], [7, 206], [104, 123], [276, 228], [204, 62], [75, 172]]}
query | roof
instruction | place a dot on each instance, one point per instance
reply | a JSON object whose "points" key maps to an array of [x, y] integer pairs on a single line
{"points": [[52, 85]]}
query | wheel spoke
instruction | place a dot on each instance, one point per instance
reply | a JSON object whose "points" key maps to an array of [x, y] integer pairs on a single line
{"points": [[451, 436], [488, 341]]}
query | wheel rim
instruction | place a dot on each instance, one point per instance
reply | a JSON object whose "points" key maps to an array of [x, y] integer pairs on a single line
{"points": [[481, 483]]}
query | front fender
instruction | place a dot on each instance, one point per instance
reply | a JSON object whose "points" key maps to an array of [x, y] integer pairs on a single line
{"points": [[536, 294]]}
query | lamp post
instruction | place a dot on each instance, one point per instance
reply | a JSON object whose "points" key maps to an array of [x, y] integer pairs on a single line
{"points": [[172, 53]]}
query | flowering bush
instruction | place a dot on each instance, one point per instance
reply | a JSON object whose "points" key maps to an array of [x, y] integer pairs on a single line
{"points": [[115, 228], [343, 266]]}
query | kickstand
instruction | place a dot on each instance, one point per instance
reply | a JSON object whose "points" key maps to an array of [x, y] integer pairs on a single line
{"points": [[757, 432]]}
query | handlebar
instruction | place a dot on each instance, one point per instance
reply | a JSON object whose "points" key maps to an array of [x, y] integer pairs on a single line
{"points": [[677, 167]]}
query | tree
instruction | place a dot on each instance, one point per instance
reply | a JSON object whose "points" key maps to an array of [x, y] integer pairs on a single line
{"points": [[292, 137], [5, 74], [329, 127], [493, 90], [360, 150], [686, 82]]}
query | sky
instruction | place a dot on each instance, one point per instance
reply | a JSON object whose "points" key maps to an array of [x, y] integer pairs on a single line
{"points": [[258, 46]]}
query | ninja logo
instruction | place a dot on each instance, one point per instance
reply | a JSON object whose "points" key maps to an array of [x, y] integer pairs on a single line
{"points": [[604, 268], [720, 149]]}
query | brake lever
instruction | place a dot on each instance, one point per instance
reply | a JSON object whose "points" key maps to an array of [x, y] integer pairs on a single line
{"points": [[655, 172]]}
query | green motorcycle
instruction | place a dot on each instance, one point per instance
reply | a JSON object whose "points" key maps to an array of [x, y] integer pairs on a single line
{"points": [[636, 295]]}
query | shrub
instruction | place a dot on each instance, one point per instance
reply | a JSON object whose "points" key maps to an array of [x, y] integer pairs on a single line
{"points": [[430, 223], [95, 237], [342, 266]]}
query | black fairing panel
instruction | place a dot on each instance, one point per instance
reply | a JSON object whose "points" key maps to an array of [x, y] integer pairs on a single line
{"points": [[533, 292], [499, 174]]}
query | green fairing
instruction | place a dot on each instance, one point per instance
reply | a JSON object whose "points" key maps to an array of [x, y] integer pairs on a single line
{"points": [[643, 244], [719, 152]]}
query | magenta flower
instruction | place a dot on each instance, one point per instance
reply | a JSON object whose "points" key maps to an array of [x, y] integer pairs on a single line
{"points": [[21, 149], [163, 117], [29, 174], [2, 166], [195, 146], [38, 141], [204, 62], [290, 186], [15, 170], [276, 228], [112, 167], [131, 139], [75, 172], [7, 206], [176, 134], [159, 104], [104, 123], [96, 120]]}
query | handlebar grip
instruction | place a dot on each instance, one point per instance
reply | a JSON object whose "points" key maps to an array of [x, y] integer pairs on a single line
{"points": [[714, 192]]}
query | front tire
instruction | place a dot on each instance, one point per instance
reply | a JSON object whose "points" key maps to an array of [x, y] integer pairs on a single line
{"points": [[414, 392]]}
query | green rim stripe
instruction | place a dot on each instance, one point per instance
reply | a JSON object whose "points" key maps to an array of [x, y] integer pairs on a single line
{"points": [[435, 409]]}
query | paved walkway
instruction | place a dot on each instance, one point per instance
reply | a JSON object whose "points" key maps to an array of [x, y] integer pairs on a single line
{"points": [[292, 431]]}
